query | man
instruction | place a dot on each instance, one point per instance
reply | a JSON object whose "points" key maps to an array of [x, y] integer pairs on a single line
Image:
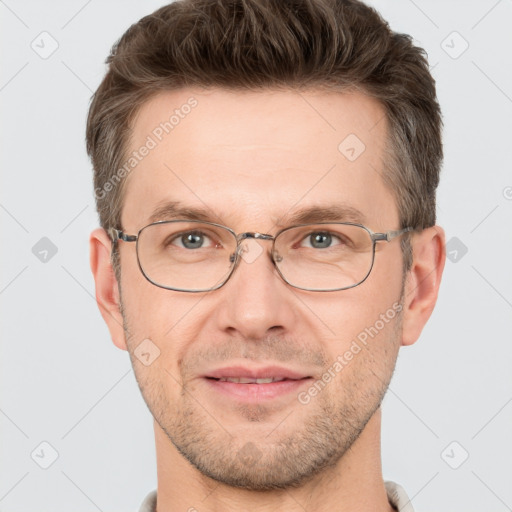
{"points": [[265, 175]]}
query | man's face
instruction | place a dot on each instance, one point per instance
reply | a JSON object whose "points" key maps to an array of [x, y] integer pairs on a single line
{"points": [[252, 159]]}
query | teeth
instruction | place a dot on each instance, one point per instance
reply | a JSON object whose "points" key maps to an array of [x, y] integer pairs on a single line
{"points": [[244, 380]]}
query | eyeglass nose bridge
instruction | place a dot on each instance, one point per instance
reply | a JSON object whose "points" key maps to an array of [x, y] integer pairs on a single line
{"points": [[256, 236], [250, 234]]}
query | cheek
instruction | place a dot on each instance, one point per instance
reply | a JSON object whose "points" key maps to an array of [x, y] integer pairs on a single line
{"points": [[150, 310], [169, 320], [360, 327], [366, 360], [340, 317]]}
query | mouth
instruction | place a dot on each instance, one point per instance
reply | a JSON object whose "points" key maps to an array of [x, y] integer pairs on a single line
{"points": [[256, 385], [248, 380]]}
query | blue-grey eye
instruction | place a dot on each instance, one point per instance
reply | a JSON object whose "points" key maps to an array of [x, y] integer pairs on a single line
{"points": [[320, 240], [192, 240]]}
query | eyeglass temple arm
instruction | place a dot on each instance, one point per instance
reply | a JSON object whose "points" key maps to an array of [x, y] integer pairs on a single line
{"points": [[117, 234], [388, 236]]}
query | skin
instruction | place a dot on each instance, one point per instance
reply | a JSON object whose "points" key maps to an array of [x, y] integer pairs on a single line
{"points": [[252, 158]]}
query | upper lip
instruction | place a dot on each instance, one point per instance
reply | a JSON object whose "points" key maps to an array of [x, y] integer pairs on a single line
{"points": [[266, 372]]}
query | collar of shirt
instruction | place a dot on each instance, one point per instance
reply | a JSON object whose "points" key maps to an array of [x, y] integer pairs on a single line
{"points": [[396, 496]]}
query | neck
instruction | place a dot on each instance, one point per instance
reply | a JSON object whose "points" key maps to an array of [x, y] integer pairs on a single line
{"points": [[354, 484]]}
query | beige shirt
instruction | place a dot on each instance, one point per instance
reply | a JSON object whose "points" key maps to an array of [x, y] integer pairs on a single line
{"points": [[396, 496]]}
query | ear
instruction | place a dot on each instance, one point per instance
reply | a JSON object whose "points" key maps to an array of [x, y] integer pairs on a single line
{"points": [[107, 289], [423, 280]]}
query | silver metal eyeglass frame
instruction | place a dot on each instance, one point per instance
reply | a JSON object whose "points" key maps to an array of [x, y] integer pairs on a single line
{"points": [[117, 234]]}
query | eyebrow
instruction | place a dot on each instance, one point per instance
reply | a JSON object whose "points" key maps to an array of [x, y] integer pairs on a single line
{"points": [[175, 210], [325, 213], [310, 214]]}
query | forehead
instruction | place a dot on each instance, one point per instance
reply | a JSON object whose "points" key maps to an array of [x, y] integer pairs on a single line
{"points": [[256, 157]]}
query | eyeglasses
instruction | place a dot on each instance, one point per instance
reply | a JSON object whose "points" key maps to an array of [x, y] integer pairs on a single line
{"points": [[197, 256]]}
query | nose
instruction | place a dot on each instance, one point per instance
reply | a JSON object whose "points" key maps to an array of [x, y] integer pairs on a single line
{"points": [[255, 300]]}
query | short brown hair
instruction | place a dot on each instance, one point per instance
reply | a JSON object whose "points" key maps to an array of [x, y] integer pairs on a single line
{"points": [[280, 44]]}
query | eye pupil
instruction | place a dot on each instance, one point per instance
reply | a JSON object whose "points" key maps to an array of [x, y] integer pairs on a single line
{"points": [[192, 240], [321, 240]]}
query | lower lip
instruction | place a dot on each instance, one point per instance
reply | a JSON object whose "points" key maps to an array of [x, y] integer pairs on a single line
{"points": [[258, 392]]}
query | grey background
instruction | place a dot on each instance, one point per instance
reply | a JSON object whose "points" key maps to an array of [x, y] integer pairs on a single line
{"points": [[64, 383]]}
